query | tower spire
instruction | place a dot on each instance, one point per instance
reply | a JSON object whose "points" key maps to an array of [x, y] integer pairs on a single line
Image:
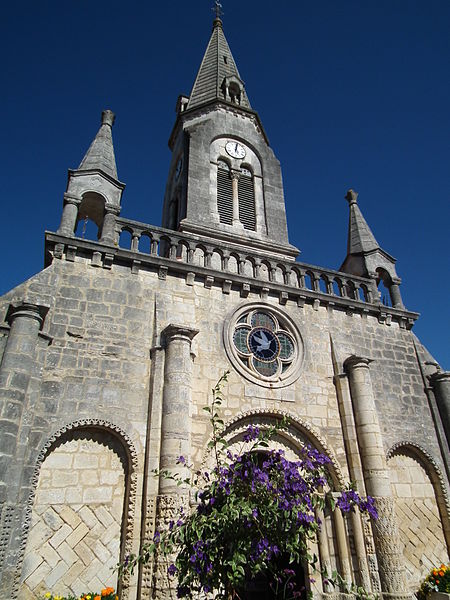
{"points": [[218, 77], [360, 237], [100, 154]]}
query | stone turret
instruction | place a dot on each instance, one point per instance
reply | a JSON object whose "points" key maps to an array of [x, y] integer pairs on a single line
{"points": [[365, 257], [94, 191]]}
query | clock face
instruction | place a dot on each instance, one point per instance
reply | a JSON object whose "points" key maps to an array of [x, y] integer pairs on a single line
{"points": [[235, 149], [264, 344]]}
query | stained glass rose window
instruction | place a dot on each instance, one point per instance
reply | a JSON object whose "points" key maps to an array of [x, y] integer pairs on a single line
{"points": [[266, 344]]}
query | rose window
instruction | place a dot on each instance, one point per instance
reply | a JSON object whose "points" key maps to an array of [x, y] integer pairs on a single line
{"points": [[266, 345]]}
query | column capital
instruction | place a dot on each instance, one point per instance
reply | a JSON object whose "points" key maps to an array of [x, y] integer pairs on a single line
{"points": [[355, 362], [112, 209], [174, 331], [27, 310], [71, 199]]}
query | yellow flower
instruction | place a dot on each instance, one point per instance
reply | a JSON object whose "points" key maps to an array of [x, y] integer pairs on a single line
{"points": [[48, 595]]}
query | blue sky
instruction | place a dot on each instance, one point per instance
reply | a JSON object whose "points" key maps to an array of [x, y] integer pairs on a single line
{"points": [[351, 94]]}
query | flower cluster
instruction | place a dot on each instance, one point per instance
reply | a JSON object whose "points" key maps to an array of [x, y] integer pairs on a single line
{"points": [[107, 593], [438, 580]]}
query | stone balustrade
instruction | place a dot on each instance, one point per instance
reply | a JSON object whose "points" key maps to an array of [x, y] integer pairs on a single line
{"points": [[199, 251], [143, 246]]}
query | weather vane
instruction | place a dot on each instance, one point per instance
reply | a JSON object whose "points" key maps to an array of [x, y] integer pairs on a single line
{"points": [[217, 9]]}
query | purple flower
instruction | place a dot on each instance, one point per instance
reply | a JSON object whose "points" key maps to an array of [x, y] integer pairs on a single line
{"points": [[181, 460], [157, 537], [251, 434], [172, 570], [255, 513]]}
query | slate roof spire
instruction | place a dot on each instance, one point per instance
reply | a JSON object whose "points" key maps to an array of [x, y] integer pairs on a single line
{"points": [[218, 77], [360, 236], [100, 154]]}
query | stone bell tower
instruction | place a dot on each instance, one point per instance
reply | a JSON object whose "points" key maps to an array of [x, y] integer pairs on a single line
{"points": [[224, 179]]}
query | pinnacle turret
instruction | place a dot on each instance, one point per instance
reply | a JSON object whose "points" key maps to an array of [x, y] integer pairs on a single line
{"points": [[100, 154], [365, 257], [360, 236]]}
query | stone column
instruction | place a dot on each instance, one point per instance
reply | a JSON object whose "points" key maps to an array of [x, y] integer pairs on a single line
{"points": [[376, 477], [69, 215], [16, 370], [440, 382], [394, 291], [324, 549], [176, 410], [109, 224], [341, 538], [175, 439]]}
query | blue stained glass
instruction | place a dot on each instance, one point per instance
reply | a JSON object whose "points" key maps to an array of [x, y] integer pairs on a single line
{"points": [[240, 339], [286, 346]]}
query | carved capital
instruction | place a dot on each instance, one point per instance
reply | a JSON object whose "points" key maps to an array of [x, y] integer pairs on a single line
{"points": [[356, 362], [28, 311], [179, 332]]}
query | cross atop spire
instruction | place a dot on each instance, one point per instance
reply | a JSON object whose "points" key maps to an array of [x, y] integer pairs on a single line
{"points": [[217, 8]]}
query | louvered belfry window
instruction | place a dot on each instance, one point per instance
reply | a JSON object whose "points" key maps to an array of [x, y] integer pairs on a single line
{"points": [[246, 195], [224, 193]]}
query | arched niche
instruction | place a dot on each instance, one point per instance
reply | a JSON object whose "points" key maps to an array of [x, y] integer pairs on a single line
{"points": [[79, 524], [422, 510]]}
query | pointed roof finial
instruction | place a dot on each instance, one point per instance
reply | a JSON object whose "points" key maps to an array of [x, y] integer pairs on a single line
{"points": [[100, 154], [351, 197], [217, 8]]}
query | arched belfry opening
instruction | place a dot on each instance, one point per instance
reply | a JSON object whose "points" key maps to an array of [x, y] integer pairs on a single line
{"points": [[91, 213], [237, 188]]}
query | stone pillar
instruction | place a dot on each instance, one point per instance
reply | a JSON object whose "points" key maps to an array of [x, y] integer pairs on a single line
{"points": [[440, 382], [176, 410], [109, 225], [324, 549], [16, 370], [394, 292], [360, 548], [69, 215], [341, 538], [376, 477], [175, 440]]}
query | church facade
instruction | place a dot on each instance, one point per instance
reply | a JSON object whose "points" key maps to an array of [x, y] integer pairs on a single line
{"points": [[109, 354]]}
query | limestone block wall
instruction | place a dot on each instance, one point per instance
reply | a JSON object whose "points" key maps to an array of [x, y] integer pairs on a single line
{"points": [[103, 360]]}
